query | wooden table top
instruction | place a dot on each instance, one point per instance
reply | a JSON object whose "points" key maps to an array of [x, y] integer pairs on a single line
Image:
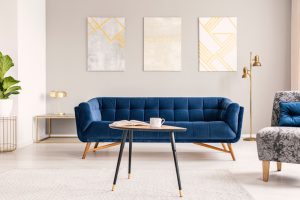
{"points": [[163, 128]]}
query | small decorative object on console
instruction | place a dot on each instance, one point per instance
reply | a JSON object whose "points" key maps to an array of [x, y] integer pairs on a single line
{"points": [[58, 95]]}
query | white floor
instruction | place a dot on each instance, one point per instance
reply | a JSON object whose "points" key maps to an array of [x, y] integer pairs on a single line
{"points": [[246, 170]]}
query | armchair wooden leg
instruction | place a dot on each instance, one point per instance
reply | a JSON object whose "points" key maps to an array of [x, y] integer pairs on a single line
{"points": [[279, 164], [266, 168], [231, 151], [96, 145], [86, 150]]}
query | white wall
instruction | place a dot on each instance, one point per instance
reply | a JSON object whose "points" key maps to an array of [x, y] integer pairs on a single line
{"points": [[23, 37], [263, 27], [8, 28], [8, 35], [31, 65]]}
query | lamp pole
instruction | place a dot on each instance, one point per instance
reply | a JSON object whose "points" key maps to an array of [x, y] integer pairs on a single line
{"points": [[248, 73]]}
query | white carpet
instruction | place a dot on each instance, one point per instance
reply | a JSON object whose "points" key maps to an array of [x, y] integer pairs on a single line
{"points": [[91, 184]]}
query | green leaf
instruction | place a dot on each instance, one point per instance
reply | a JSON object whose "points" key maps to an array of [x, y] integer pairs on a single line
{"points": [[10, 93], [9, 81], [12, 89], [5, 64]]}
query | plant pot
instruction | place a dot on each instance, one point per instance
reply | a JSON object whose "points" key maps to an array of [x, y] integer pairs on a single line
{"points": [[6, 106]]}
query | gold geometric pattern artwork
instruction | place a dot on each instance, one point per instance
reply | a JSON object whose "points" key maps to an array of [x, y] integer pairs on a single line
{"points": [[217, 44], [106, 42]]}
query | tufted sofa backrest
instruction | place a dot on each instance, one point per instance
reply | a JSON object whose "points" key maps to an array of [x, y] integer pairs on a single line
{"points": [[282, 96], [169, 108]]}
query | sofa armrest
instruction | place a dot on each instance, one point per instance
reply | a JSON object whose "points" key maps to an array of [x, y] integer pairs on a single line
{"points": [[230, 114], [85, 115]]}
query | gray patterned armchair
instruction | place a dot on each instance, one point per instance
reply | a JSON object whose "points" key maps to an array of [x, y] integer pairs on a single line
{"points": [[279, 144]]}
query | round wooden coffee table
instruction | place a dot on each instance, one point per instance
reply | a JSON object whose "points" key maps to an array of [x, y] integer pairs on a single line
{"points": [[128, 132]]}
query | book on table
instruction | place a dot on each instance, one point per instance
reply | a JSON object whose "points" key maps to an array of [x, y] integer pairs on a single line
{"points": [[129, 123]]}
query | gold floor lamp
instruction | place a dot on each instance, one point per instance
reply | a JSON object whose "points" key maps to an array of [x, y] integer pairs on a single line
{"points": [[247, 73]]}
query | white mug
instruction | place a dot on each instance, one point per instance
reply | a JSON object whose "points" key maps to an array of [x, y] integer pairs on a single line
{"points": [[156, 122]]}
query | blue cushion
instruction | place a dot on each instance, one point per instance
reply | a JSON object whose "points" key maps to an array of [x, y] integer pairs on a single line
{"points": [[289, 114]]}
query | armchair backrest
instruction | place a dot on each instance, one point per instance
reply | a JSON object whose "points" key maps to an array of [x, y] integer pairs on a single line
{"points": [[282, 96]]}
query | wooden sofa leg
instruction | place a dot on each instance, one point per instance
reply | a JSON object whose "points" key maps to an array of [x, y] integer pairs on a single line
{"points": [[224, 147], [279, 164], [266, 168], [96, 145], [231, 151], [86, 150]]}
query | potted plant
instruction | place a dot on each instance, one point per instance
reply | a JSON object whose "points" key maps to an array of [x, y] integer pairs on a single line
{"points": [[8, 85]]}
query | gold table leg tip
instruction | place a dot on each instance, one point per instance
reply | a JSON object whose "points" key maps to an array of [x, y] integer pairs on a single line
{"points": [[129, 176], [180, 193], [113, 188]]}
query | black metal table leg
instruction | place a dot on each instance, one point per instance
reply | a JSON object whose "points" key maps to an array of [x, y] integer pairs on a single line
{"points": [[124, 136], [172, 138], [130, 153]]}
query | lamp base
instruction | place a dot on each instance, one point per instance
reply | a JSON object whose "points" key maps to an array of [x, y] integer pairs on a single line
{"points": [[249, 139]]}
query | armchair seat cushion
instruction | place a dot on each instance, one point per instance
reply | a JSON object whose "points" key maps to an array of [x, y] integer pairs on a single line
{"points": [[281, 144]]}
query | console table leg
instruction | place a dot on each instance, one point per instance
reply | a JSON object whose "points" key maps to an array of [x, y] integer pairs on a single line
{"points": [[130, 153], [37, 130], [172, 138], [124, 136]]}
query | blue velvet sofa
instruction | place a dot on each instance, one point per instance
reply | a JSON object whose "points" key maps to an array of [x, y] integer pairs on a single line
{"points": [[207, 119]]}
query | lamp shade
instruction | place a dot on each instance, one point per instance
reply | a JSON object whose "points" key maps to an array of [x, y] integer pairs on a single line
{"points": [[61, 94], [256, 62], [57, 94], [52, 94], [245, 73]]}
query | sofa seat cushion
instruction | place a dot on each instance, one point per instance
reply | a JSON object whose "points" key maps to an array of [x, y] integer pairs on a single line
{"points": [[280, 144], [212, 130], [196, 131]]}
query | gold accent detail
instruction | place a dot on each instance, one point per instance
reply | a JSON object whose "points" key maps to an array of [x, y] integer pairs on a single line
{"points": [[256, 61], [113, 188], [57, 94], [229, 148], [97, 27], [266, 169], [180, 193], [247, 73]]}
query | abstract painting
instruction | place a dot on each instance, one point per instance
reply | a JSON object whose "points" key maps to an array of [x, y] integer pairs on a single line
{"points": [[217, 44], [106, 42], [162, 44]]}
